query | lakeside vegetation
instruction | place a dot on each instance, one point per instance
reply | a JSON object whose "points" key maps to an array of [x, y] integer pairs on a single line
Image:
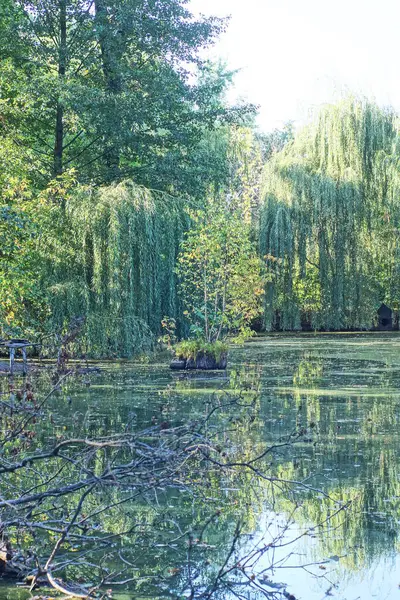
{"points": [[140, 210], [105, 194]]}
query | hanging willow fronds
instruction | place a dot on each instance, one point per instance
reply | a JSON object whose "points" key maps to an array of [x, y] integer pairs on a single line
{"points": [[329, 219], [115, 265]]}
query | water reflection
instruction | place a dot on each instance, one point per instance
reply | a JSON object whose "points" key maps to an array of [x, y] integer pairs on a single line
{"points": [[347, 388], [341, 390]]}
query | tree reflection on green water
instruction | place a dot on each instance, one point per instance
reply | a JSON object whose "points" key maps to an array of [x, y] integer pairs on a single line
{"points": [[346, 387], [343, 391]]}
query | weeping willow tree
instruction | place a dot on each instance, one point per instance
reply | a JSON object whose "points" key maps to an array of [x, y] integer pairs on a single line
{"points": [[112, 257], [330, 217], [113, 251]]}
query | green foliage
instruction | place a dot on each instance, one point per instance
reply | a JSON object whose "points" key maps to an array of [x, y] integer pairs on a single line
{"points": [[110, 256], [73, 71], [276, 140], [21, 299], [220, 274], [168, 338], [22, 302], [90, 95], [190, 349], [107, 253], [329, 221]]}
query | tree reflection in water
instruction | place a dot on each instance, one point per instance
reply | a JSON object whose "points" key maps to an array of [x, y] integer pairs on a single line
{"points": [[194, 487]]}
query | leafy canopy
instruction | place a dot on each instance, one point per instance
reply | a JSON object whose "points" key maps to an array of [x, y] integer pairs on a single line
{"points": [[220, 273], [330, 219], [111, 88]]}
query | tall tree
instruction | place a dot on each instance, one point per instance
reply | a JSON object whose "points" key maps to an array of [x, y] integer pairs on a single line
{"points": [[41, 77], [330, 219], [108, 87]]}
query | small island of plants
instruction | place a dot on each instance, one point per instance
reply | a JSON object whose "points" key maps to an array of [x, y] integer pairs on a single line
{"points": [[197, 354]]}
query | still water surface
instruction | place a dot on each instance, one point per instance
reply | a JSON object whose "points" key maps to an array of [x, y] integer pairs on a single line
{"points": [[349, 386], [345, 389]]}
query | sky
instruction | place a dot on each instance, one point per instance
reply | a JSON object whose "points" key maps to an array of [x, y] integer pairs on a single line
{"points": [[295, 55]]}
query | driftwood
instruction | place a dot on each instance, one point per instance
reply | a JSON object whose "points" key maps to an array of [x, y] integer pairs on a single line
{"points": [[71, 590]]}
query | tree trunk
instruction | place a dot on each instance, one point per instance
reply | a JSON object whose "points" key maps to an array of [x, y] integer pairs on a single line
{"points": [[110, 56], [62, 61]]}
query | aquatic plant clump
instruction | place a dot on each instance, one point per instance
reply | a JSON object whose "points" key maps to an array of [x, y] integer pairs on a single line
{"points": [[190, 349], [198, 354], [329, 220]]}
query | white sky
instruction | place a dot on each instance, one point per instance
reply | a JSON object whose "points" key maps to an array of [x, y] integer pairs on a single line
{"points": [[298, 54]]}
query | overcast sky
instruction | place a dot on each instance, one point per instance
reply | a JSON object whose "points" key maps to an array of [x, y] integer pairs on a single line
{"points": [[297, 54]]}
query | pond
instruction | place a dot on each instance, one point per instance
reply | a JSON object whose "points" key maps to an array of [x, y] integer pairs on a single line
{"points": [[343, 391]]}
